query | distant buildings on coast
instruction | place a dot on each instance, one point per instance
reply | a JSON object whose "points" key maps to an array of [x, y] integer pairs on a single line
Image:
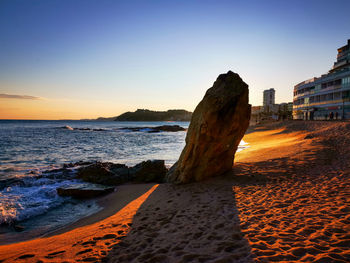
{"points": [[270, 110], [326, 97], [269, 97]]}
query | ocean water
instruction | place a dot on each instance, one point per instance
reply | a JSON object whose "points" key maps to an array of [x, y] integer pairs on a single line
{"points": [[30, 151]]}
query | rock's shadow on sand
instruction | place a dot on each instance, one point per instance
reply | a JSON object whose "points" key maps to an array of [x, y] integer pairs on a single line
{"points": [[196, 222], [290, 205]]}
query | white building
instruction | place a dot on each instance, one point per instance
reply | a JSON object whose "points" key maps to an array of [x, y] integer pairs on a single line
{"points": [[269, 99], [326, 97]]}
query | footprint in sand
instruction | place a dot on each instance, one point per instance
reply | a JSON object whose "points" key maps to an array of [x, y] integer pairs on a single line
{"points": [[26, 256], [109, 236], [83, 251], [90, 259], [55, 254], [90, 242]]}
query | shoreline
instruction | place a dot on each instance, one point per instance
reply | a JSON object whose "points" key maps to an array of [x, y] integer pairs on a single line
{"points": [[285, 200], [110, 203]]}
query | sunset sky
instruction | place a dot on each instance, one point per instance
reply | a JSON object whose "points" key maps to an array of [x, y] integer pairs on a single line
{"points": [[72, 59]]}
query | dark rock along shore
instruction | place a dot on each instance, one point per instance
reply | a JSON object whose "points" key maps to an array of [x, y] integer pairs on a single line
{"points": [[115, 174]]}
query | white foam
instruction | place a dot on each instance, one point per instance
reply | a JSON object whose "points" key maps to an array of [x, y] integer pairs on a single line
{"points": [[35, 197], [242, 145], [68, 128]]}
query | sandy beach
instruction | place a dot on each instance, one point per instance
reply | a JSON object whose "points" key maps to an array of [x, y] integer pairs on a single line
{"points": [[287, 199]]}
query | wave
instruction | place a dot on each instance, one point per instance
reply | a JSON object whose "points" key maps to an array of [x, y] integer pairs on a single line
{"points": [[32, 195], [67, 127], [151, 129]]}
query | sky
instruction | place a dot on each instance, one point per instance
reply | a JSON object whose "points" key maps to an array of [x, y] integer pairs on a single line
{"points": [[73, 59]]}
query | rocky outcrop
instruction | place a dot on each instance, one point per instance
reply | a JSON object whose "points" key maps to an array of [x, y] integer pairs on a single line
{"points": [[217, 126], [84, 190], [104, 173], [163, 128], [81, 129], [169, 128], [149, 171], [116, 174]]}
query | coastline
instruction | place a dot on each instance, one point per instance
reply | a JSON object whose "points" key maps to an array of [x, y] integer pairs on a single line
{"points": [[286, 200], [111, 204]]}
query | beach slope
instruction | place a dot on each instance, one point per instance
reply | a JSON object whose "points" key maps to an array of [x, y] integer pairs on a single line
{"points": [[286, 200]]}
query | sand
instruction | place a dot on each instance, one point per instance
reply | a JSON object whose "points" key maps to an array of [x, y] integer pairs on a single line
{"points": [[286, 200]]}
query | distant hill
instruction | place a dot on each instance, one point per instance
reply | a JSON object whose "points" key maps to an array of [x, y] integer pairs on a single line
{"points": [[106, 118], [148, 115]]}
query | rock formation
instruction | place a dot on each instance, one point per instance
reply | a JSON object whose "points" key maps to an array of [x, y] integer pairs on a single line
{"points": [[217, 127], [104, 173], [116, 174], [148, 171], [163, 128]]}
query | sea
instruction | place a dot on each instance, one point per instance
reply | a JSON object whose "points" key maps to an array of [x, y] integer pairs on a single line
{"points": [[33, 151]]}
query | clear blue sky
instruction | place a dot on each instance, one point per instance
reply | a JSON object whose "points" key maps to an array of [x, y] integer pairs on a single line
{"points": [[100, 58]]}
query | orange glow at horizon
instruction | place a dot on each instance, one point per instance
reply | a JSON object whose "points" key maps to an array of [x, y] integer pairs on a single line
{"points": [[55, 109]]}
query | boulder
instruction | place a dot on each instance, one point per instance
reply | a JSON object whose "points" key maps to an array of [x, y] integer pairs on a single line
{"points": [[115, 174], [149, 171], [216, 129], [169, 128], [84, 190], [104, 173]]}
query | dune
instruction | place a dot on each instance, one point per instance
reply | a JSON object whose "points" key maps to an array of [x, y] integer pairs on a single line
{"points": [[287, 199]]}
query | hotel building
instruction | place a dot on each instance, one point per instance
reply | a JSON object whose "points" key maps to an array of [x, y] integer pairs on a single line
{"points": [[269, 99], [326, 97]]}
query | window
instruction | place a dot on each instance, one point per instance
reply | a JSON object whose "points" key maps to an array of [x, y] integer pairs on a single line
{"points": [[346, 94], [337, 96], [337, 82], [330, 96], [345, 81]]}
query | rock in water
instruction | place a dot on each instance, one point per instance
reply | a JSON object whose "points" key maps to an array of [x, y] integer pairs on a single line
{"points": [[115, 174], [217, 126]]}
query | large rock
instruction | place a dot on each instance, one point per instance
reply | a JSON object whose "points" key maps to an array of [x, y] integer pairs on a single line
{"points": [[169, 128], [104, 173], [116, 174], [165, 128], [216, 129], [84, 190], [149, 171]]}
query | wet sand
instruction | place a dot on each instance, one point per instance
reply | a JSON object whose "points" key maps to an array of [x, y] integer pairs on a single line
{"points": [[286, 200]]}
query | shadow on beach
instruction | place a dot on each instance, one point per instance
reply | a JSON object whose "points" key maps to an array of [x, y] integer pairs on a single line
{"points": [[196, 222], [288, 202]]}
